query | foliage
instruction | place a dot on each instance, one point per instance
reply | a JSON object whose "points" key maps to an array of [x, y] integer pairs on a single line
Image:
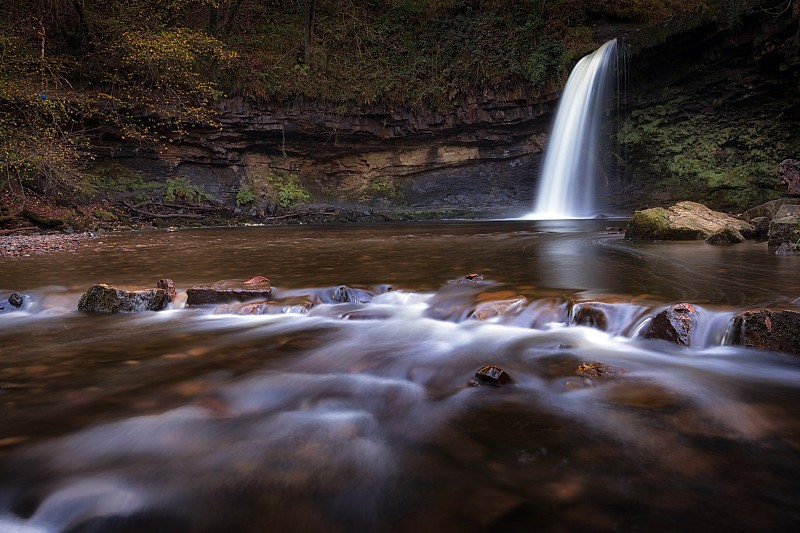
{"points": [[182, 189], [245, 195], [287, 190], [284, 190], [110, 178], [386, 188]]}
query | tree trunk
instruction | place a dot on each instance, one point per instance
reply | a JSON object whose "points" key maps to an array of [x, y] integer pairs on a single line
{"points": [[308, 34]]}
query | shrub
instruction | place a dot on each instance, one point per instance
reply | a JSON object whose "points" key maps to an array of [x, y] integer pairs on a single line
{"points": [[245, 195], [182, 189]]}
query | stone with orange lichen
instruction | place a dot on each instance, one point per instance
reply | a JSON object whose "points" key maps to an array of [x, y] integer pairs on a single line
{"points": [[777, 330], [596, 370], [675, 324]]}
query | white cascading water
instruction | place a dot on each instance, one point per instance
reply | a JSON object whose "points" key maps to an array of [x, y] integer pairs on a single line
{"points": [[572, 161]]}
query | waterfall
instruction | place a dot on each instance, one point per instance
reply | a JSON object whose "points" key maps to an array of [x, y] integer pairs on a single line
{"points": [[573, 156]]}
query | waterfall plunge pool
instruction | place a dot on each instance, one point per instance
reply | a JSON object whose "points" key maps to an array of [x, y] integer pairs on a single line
{"points": [[360, 416]]}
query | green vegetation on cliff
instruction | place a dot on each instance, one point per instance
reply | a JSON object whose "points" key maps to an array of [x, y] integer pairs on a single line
{"points": [[720, 155]]}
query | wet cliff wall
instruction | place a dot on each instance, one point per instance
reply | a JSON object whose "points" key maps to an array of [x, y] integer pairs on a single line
{"points": [[711, 110], [481, 155]]}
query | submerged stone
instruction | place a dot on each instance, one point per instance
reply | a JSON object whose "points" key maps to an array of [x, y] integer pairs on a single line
{"points": [[682, 221], [596, 370], [488, 310], [102, 298], [492, 375], [776, 330], [230, 290], [674, 324]]}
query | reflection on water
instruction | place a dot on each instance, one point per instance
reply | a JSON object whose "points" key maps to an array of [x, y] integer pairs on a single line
{"points": [[361, 416]]}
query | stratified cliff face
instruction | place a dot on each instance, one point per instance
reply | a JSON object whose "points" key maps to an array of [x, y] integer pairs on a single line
{"points": [[707, 112], [480, 155], [713, 110]]}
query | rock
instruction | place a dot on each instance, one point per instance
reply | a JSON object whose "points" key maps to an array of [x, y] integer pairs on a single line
{"points": [[492, 375], [675, 324], [345, 294], [469, 278], [768, 329], [786, 210], [762, 227], [487, 310], [169, 287], [104, 298], [789, 171], [768, 209], [788, 249], [783, 230], [725, 235], [591, 314], [288, 305], [16, 300], [682, 221], [596, 370], [13, 303], [230, 290]]}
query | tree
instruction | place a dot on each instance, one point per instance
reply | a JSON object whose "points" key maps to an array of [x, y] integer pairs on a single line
{"points": [[308, 28]]}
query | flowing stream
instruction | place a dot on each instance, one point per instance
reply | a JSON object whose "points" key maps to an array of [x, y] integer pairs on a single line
{"points": [[574, 159], [323, 415]]}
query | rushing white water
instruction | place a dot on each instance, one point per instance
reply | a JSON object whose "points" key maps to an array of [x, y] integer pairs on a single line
{"points": [[572, 162]]}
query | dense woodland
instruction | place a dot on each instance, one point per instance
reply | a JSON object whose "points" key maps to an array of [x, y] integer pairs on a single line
{"points": [[71, 67]]}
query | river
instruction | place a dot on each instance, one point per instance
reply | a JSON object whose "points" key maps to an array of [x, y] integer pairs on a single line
{"points": [[361, 416]]}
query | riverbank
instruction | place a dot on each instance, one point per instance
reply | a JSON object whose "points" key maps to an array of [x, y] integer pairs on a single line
{"points": [[26, 245]]}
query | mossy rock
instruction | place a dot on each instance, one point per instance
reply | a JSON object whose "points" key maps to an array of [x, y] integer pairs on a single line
{"points": [[682, 221], [104, 298]]}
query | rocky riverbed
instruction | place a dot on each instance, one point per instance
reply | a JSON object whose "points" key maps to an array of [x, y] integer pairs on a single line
{"points": [[36, 244]]}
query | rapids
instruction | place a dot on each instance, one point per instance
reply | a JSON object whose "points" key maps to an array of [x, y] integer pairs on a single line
{"points": [[360, 416]]}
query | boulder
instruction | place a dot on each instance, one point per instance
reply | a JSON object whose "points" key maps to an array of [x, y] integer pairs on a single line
{"points": [[789, 172], [230, 290], [788, 249], [725, 235], [786, 210], [762, 227], [492, 375], [674, 324], [682, 221], [776, 330], [102, 298], [783, 230], [768, 209]]}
